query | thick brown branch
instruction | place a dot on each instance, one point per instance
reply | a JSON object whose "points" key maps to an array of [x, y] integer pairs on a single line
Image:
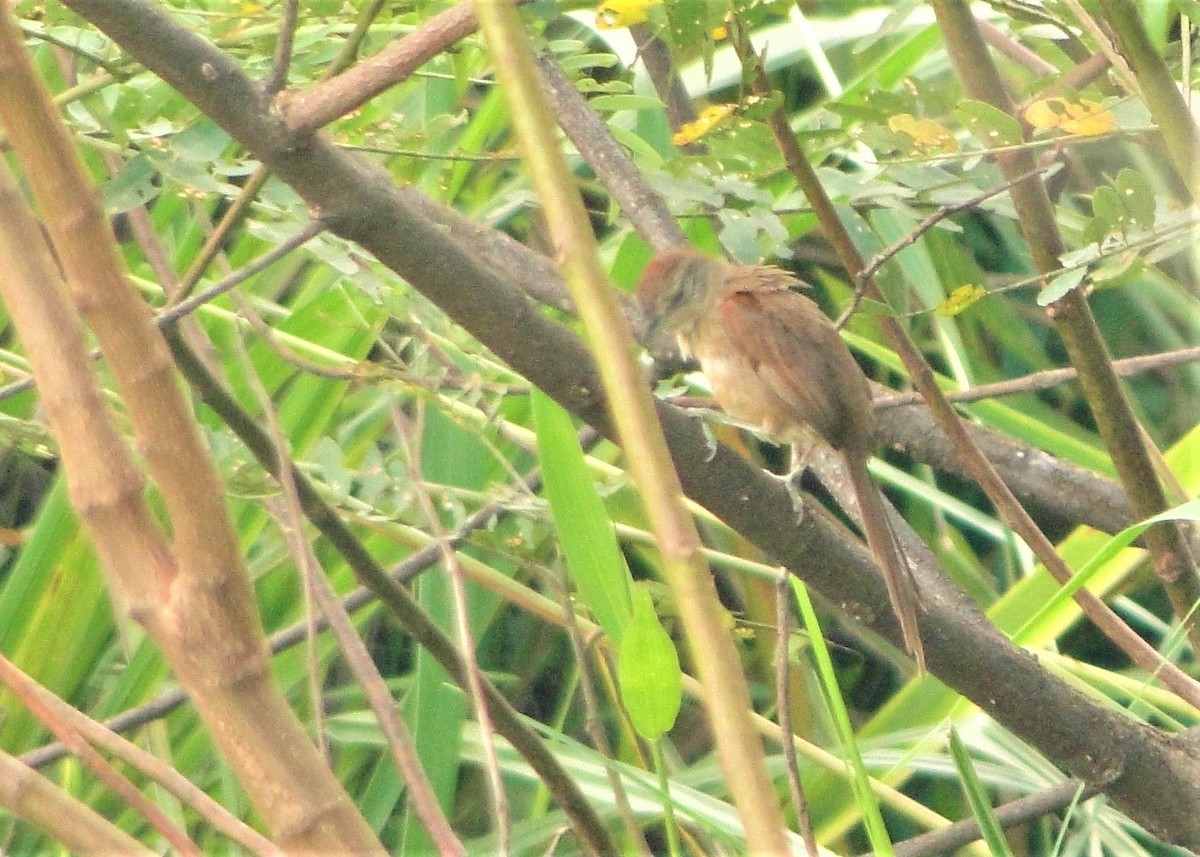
{"points": [[646, 210], [305, 111], [1149, 774]]}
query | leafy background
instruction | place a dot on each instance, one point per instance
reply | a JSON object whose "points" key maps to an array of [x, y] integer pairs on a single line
{"points": [[342, 346]]}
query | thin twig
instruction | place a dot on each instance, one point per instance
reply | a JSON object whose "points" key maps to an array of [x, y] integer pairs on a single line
{"points": [[308, 110], [1015, 51], [281, 641], [358, 658], [283, 248], [664, 77], [644, 206], [160, 772], [240, 207], [349, 49], [863, 279], [183, 308], [25, 689], [594, 723], [1101, 39], [292, 532], [284, 42], [215, 240], [1047, 378], [1017, 812]]}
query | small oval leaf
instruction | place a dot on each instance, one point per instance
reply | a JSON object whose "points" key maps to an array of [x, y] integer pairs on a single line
{"points": [[648, 671], [1061, 285]]}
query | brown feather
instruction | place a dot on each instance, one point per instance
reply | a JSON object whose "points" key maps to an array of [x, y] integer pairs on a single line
{"points": [[826, 391], [777, 364]]}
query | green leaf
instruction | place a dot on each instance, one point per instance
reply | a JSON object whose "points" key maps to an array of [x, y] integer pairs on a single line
{"points": [[1137, 196], [613, 103], [689, 23], [1189, 511], [991, 126], [839, 714], [584, 528], [648, 671], [1109, 211], [1061, 285], [133, 186]]}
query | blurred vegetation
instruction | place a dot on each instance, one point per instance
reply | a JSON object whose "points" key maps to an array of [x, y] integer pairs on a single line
{"points": [[340, 343]]}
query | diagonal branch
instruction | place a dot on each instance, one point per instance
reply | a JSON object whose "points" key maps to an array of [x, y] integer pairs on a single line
{"points": [[193, 595], [1151, 775], [1123, 437]]}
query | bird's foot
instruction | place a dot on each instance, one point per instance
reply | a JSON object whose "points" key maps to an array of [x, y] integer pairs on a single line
{"points": [[800, 455], [710, 441], [791, 481]]}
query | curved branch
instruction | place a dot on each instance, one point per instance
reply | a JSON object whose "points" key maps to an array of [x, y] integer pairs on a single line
{"points": [[1150, 775]]}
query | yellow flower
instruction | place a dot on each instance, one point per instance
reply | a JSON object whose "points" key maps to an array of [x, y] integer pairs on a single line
{"points": [[616, 14], [1085, 118], [708, 118]]}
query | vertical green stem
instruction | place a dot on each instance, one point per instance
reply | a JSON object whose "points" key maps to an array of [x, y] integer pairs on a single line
{"points": [[1167, 105], [726, 694], [1119, 429]]}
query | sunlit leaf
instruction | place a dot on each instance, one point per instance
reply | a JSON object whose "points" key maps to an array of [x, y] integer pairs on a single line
{"points": [[927, 135], [618, 14], [648, 671], [1086, 118], [708, 119]]}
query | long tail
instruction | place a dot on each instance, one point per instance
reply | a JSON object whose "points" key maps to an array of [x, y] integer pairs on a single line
{"points": [[885, 547]]}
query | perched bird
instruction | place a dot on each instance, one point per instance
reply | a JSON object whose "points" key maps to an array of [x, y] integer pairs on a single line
{"points": [[777, 365]]}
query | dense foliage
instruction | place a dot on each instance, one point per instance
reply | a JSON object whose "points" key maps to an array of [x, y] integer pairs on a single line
{"points": [[404, 385]]}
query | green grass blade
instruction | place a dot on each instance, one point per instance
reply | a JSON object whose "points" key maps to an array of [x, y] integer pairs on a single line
{"points": [[977, 797]]}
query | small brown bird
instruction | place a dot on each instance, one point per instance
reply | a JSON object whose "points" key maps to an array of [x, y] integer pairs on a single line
{"points": [[776, 364]]}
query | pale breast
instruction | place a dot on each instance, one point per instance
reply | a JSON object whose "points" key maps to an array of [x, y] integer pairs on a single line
{"points": [[740, 390]]}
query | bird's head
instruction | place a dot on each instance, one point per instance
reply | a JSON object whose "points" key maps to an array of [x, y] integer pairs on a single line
{"points": [[676, 287]]}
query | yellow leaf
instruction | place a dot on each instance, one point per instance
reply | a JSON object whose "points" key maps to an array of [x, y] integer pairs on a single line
{"points": [[708, 118], [616, 14], [959, 299], [714, 113], [719, 33], [1088, 119], [927, 135], [1041, 115], [1085, 118]]}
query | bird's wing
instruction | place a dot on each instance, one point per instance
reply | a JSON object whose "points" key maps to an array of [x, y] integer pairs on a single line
{"points": [[796, 352]]}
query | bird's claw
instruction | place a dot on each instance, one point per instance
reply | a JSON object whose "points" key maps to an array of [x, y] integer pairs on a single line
{"points": [[710, 441], [791, 481]]}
